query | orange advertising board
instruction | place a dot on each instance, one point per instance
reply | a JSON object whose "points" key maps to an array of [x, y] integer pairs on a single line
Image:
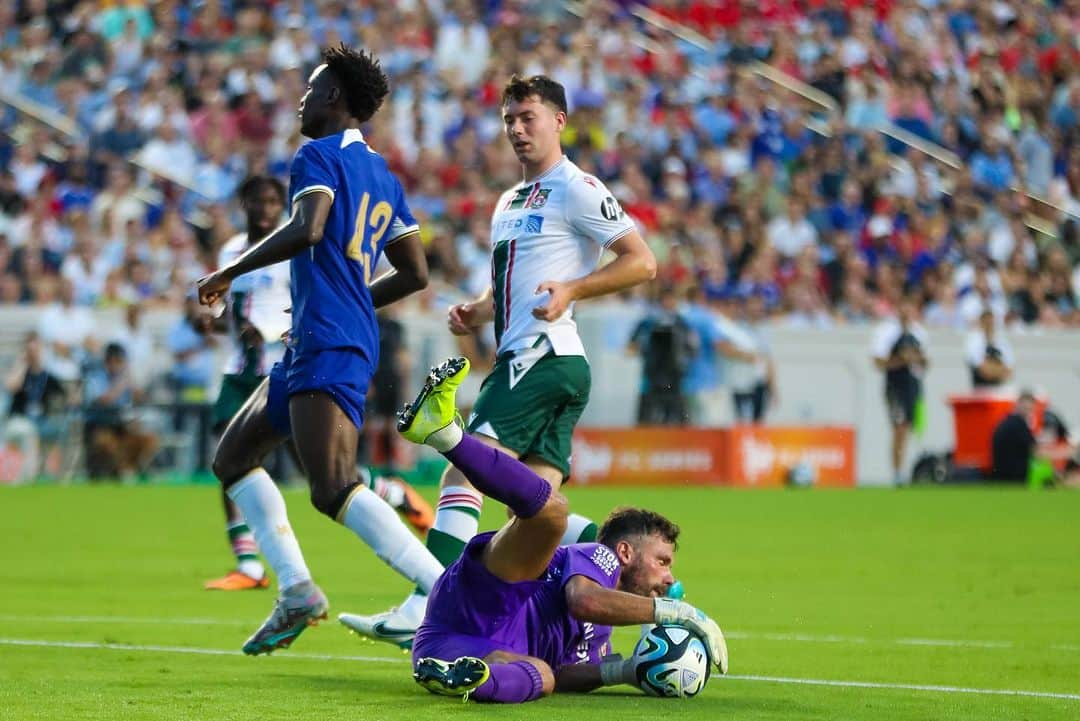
{"points": [[741, 456], [765, 455], [648, 456]]}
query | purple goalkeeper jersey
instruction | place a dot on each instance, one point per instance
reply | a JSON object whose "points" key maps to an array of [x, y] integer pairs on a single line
{"points": [[471, 612]]}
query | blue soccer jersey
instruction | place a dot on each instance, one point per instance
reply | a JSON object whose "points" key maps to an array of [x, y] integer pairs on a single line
{"points": [[331, 303]]}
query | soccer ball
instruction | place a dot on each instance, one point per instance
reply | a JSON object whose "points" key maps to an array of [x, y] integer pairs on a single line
{"points": [[671, 661]]}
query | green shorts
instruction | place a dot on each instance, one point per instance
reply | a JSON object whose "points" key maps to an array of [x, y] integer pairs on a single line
{"points": [[235, 390], [537, 416]]}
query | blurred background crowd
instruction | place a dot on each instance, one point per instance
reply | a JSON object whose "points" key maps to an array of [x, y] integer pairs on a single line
{"points": [[817, 160]]}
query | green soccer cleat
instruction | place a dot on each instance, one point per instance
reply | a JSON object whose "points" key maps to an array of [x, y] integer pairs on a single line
{"points": [[293, 612], [433, 409], [459, 678]]}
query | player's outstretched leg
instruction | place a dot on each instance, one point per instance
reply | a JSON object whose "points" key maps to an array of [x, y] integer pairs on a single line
{"points": [[247, 439], [498, 678], [326, 438], [522, 549]]}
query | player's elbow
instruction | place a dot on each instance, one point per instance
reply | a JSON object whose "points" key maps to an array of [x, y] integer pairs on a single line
{"points": [[648, 265], [312, 233], [420, 277]]}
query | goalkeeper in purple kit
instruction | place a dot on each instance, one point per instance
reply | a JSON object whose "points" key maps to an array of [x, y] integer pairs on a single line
{"points": [[518, 617]]}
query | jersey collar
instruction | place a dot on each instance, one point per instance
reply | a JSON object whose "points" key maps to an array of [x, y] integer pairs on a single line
{"points": [[350, 136], [546, 173]]}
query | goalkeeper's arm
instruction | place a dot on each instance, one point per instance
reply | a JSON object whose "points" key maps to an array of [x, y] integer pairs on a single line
{"points": [[588, 601]]}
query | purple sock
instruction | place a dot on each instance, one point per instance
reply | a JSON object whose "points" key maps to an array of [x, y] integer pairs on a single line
{"points": [[515, 682], [496, 474]]}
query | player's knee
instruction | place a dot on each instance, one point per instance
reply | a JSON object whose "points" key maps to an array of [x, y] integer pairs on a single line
{"points": [[329, 497], [324, 499], [555, 512], [228, 470]]}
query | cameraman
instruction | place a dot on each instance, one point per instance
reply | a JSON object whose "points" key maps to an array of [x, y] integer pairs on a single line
{"points": [[666, 344]]}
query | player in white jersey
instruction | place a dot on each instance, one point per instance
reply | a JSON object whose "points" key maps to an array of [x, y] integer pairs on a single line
{"points": [[548, 234], [256, 319]]}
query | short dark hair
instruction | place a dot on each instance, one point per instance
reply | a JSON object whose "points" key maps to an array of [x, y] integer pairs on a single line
{"points": [[254, 183], [625, 522], [518, 88], [363, 82], [115, 351]]}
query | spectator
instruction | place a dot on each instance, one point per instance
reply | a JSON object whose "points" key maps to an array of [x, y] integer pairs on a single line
{"points": [[751, 374], [989, 356], [65, 329], [792, 232], [116, 444], [169, 155], [138, 344], [38, 401], [191, 342], [666, 344], [115, 206]]}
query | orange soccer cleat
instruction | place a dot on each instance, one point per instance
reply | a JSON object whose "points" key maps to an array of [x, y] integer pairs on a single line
{"points": [[236, 581], [417, 511]]}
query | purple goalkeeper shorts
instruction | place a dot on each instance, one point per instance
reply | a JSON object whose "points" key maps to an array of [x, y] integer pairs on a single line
{"points": [[471, 612]]}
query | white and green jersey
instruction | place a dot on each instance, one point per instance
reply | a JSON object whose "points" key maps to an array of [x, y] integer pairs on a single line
{"points": [[261, 297], [554, 227]]}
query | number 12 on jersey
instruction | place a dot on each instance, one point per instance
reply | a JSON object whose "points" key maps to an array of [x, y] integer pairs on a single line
{"points": [[370, 229]]}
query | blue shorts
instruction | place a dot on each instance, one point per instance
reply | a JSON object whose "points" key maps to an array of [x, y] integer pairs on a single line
{"points": [[342, 374]]}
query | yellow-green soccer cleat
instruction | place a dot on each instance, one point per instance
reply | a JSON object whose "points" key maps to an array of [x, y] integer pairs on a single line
{"points": [[459, 678], [433, 409]]}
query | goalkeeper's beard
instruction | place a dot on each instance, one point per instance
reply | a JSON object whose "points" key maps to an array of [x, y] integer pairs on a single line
{"points": [[632, 580]]}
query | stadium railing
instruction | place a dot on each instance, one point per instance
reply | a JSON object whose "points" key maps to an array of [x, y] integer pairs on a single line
{"points": [[33, 112]]}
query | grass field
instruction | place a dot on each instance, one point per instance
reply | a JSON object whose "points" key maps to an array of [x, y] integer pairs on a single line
{"points": [[915, 604]]}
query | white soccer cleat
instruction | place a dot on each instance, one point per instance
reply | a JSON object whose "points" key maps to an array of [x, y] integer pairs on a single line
{"points": [[391, 626]]}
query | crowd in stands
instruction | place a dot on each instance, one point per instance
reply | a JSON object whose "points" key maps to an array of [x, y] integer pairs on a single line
{"points": [[733, 189]]}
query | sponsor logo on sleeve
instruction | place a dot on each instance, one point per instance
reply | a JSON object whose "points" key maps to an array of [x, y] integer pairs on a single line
{"points": [[605, 560], [610, 209]]}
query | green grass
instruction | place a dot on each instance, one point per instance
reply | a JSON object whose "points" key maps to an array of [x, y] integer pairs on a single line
{"points": [[809, 585]]}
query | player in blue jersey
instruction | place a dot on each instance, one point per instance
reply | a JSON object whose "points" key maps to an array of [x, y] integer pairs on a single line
{"points": [[518, 616], [347, 209]]}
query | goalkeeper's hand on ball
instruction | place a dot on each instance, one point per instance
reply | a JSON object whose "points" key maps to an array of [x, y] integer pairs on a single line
{"points": [[668, 611]]}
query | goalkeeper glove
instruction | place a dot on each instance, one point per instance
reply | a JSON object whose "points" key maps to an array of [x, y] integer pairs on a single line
{"points": [[668, 611]]}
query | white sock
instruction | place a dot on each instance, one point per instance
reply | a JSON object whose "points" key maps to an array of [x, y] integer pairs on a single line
{"points": [[252, 569], [445, 438], [264, 510], [457, 514], [380, 527], [579, 529], [414, 607]]}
